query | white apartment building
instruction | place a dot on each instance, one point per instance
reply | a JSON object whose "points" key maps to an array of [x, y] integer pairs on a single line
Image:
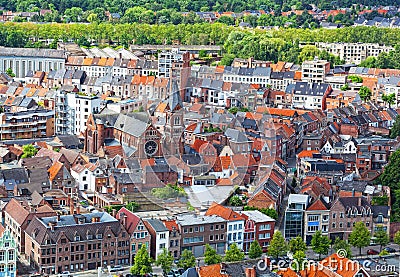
{"points": [[72, 112], [314, 71], [22, 60], [354, 52]]}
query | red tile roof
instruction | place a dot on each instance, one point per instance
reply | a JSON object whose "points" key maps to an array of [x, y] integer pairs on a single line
{"points": [[224, 212], [132, 220], [211, 271]]}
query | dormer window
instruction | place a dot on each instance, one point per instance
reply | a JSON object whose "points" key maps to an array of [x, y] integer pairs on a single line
{"points": [[77, 237]]}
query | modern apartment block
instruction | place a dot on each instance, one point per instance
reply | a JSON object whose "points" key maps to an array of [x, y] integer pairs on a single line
{"points": [[22, 60], [76, 242], [29, 124], [314, 71], [73, 110], [354, 52], [294, 215], [199, 230]]}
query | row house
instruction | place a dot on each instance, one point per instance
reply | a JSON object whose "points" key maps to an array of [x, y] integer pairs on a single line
{"points": [[235, 223], [17, 218], [258, 226], [199, 230], [137, 230], [76, 242]]}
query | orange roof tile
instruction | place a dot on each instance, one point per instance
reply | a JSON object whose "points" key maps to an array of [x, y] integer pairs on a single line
{"points": [[211, 271], [171, 224], [197, 144], [225, 162], [224, 212], [318, 205], [307, 153], [162, 107], [110, 62], [54, 169]]}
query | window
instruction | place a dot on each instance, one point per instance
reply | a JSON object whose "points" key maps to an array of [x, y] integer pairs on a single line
{"points": [[334, 215], [211, 237], [162, 236], [265, 227], [1, 255], [313, 218], [334, 225], [341, 215], [11, 255]]}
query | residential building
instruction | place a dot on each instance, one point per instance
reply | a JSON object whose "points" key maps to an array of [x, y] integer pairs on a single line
{"points": [[258, 226], [235, 223], [73, 110], [345, 212], [309, 95], [27, 124], [174, 238], [294, 215], [8, 254], [316, 218], [314, 71], [353, 52], [139, 235], [22, 60], [76, 242], [199, 230], [18, 217], [159, 236]]}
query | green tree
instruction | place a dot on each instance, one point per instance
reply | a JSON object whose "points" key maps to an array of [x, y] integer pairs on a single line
{"points": [[320, 244], [342, 247], [211, 256], [365, 93], [369, 62], [389, 99], [277, 245], [396, 238], [142, 263], [165, 260], [297, 244], [235, 201], [187, 259], [308, 52], [360, 236], [132, 206], [395, 131], [298, 263], [10, 73], [381, 237], [234, 254], [255, 250], [391, 178], [227, 59], [355, 78], [28, 151]]}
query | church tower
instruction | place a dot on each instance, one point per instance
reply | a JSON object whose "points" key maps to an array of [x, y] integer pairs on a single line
{"points": [[174, 126]]}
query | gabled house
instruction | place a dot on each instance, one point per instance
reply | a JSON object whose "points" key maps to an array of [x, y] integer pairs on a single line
{"points": [[134, 225]]}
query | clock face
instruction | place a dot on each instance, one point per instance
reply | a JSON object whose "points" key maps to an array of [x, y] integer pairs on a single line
{"points": [[150, 147]]}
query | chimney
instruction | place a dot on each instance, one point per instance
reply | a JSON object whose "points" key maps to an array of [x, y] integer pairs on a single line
{"points": [[58, 217], [359, 201], [78, 209], [353, 192], [52, 224], [114, 212], [250, 272], [223, 268]]}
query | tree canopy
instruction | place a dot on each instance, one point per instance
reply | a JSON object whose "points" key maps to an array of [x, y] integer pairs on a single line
{"points": [[211, 256], [255, 250], [142, 263], [277, 246], [165, 260], [234, 254], [320, 244], [187, 259], [28, 151], [360, 236]]}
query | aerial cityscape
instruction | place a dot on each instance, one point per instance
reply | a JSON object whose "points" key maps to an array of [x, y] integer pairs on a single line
{"points": [[200, 138]]}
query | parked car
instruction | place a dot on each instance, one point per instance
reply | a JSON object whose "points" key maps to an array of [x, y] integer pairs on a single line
{"points": [[372, 252], [65, 274], [116, 268], [390, 249]]}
